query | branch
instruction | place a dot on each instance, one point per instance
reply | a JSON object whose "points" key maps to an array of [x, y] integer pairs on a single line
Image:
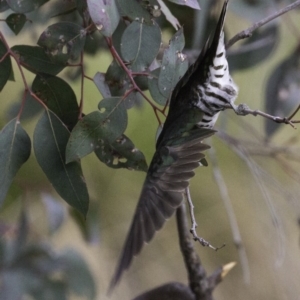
{"points": [[248, 32], [244, 109]]}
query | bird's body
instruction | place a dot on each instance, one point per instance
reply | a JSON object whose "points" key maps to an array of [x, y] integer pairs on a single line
{"points": [[196, 101]]}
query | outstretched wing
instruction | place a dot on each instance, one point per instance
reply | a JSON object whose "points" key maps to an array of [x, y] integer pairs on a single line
{"points": [[169, 174]]}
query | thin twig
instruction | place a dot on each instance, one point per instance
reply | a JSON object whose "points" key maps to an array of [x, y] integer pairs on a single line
{"points": [[244, 109], [201, 240], [248, 32]]}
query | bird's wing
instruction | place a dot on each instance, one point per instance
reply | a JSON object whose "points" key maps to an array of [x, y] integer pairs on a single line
{"points": [[169, 174]]}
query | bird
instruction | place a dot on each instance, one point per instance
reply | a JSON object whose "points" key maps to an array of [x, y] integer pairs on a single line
{"points": [[196, 101]]}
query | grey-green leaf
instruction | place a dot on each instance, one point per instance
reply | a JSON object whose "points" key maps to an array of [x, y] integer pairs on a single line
{"points": [[15, 147], [191, 3], [5, 66], [36, 60], [105, 15], [78, 275], [16, 22], [50, 141], [157, 96], [107, 124], [63, 41], [25, 6], [58, 97], [121, 153], [174, 65], [133, 10], [140, 44], [283, 90], [99, 80]]}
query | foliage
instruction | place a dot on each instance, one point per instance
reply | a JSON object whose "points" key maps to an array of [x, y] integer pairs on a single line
{"points": [[64, 134]]}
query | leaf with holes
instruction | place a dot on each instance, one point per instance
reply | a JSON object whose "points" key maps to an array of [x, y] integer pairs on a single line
{"points": [[36, 60], [58, 97], [63, 41], [16, 22], [107, 124], [15, 147], [174, 65], [283, 90], [191, 3], [105, 15], [140, 44], [50, 140], [5, 66], [25, 6], [121, 153]]}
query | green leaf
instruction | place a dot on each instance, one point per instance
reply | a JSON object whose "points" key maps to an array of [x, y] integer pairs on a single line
{"points": [[174, 65], [134, 10], [25, 6], [121, 153], [99, 80], [15, 149], [105, 15], [56, 212], [107, 125], [157, 96], [58, 96], [16, 22], [116, 79], [255, 50], [5, 66], [49, 141], [282, 91], [35, 59], [63, 41], [140, 44], [191, 3], [3, 6], [77, 274]]}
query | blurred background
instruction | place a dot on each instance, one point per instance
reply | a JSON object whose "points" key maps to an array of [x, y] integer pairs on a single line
{"points": [[259, 164]]}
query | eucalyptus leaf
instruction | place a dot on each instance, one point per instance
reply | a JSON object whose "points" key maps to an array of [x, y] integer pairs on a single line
{"points": [[140, 44], [134, 10], [58, 97], [174, 65], [56, 212], [105, 15], [99, 80], [50, 141], [15, 147], [63, 41], [121, 153], [283, 90], [16, 22], [77, 274], [35, 59], [191, 3], [255, 49], [157, 96], [107, 124], [5, 66], [25, 6]]}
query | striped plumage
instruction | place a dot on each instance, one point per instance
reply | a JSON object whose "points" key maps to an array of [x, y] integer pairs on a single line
{"points": [[195, 103]]}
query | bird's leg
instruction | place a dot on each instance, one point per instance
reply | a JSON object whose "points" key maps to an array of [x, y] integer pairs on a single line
{"points": [[201, 240]]}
